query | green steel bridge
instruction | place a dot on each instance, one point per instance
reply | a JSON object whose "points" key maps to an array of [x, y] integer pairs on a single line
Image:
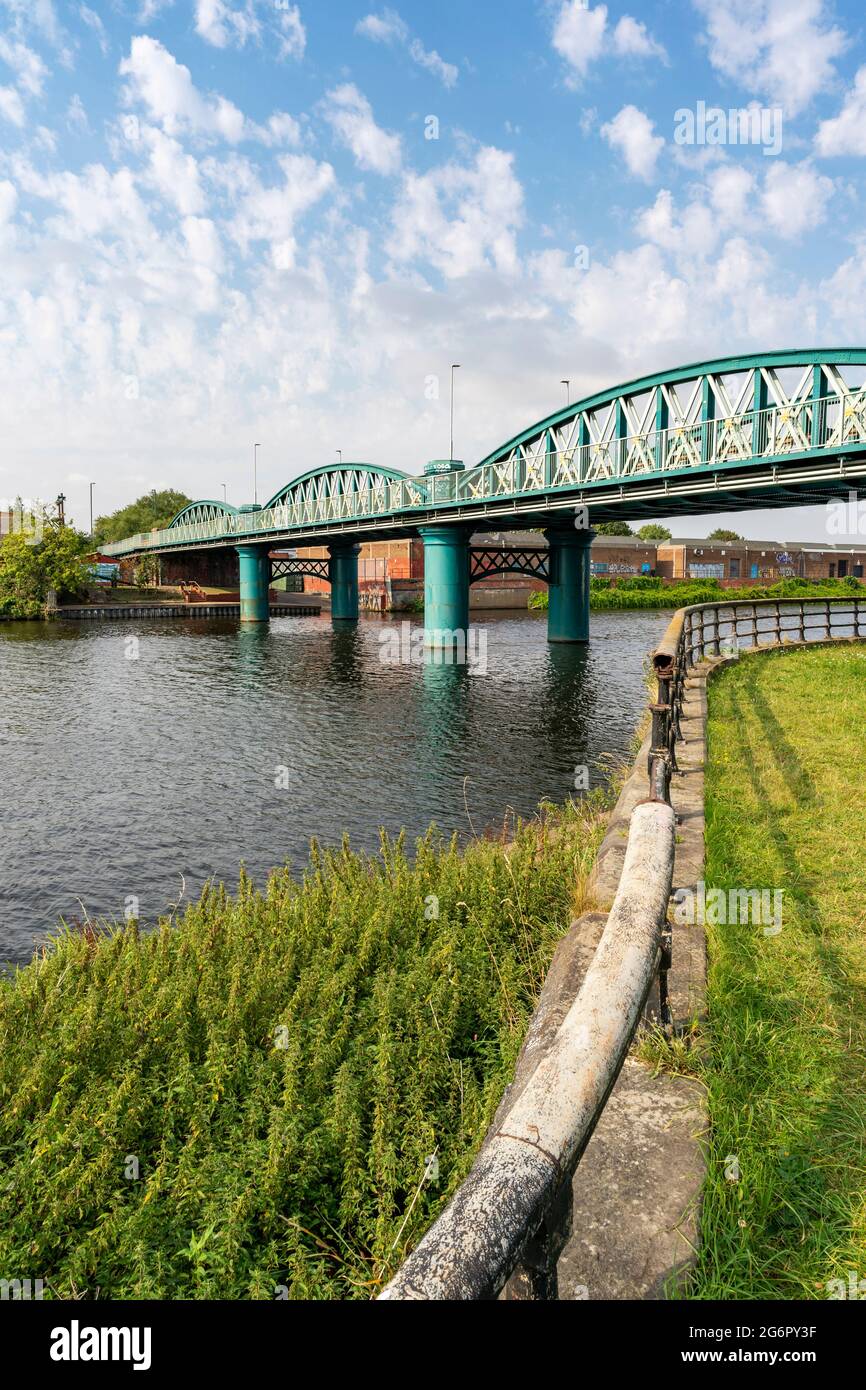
{"points": [[767, 430]]}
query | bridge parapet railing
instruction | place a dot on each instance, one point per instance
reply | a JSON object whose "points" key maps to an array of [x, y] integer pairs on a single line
{"points": [[554, 460], [510, 1218], [831, 422]]}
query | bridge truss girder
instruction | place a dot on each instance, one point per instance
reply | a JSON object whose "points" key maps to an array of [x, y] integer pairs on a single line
{"points": [[485, 561], [291, 567]]}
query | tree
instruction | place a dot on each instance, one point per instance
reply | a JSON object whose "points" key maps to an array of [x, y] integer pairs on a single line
{"points": [[721, 534], [146, 572], [32, 563], [154, 509], [614, 528], [654, 532]]}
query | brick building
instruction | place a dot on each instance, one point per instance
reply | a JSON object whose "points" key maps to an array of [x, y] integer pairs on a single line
{"points": [[758, 562], [391, 573]]}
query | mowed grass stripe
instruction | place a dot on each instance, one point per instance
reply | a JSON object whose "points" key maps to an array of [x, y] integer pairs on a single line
{"points": [[785, 1062]]}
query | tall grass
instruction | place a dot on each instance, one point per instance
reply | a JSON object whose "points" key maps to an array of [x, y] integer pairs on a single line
{"points": [[243, 1103]]}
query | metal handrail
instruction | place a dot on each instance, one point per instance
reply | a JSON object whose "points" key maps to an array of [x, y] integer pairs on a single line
{"points": [[806, 427], [705, 630], [511, 1216]]}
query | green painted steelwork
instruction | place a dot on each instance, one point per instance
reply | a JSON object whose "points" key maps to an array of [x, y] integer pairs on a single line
{"points": [[568, 585], [343, 574], [195, 512], [767, 429], [334, 480], [255, 575], [446, 585]]}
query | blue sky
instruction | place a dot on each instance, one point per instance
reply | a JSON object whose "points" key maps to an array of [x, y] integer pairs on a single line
{"points": [[225, 221]]}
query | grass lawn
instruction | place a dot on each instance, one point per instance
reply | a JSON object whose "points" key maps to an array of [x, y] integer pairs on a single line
{"points": [[785, 1062]]}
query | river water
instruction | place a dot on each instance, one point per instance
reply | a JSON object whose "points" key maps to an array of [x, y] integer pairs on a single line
{"points": [[140, 759]]}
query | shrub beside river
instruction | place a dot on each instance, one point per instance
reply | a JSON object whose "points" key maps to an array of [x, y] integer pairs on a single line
{"points": [[647, 591], [244, 1102]]}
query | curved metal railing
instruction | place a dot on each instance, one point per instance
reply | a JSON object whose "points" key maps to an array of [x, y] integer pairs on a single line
{"points": [[830, 424], [512, 1214]]}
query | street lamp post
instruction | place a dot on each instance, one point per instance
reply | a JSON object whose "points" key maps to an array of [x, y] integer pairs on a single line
{"points": [[92, 485], [339, 453], [566, 382], [224, 492], [454, 367], [256, 448]]}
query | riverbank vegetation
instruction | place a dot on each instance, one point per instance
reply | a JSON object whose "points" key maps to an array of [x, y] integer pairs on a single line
{"points": [[37, 558], [649, 591], [784, 1210], [275, 1094]]}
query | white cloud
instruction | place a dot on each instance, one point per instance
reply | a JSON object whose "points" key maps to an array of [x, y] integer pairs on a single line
{"points": [[790, 201], [578, 34], [8, 202], [29, 69], [634, 288], [631, 132], [782, 49], [460, 218], [386, 27], [390, 27], [428, 58], [11, 106], [349, 113], [92, 20], [281, 129], [293, 39], [730, 188], [91, 204], [36, 14], [76, 116], [203, 241], [846, 133], [149, 9], [794, 199], [172, 171], [581, 36], [221, 25], [231, 26], [692, 230], [631, 40], [269, 212], [165, 87]]}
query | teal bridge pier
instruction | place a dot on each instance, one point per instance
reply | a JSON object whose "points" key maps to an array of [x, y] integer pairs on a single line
{"points": [[778, 429]]}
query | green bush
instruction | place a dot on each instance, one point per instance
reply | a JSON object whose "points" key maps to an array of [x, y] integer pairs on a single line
{"points": [[642, 591]]}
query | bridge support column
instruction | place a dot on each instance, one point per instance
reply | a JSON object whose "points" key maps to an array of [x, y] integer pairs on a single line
{"points": [[446, 585], [568, 587], [343, 574], [255, 572]]}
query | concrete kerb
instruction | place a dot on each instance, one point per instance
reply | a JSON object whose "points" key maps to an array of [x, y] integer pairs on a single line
{"points": [[636, 1191]]}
